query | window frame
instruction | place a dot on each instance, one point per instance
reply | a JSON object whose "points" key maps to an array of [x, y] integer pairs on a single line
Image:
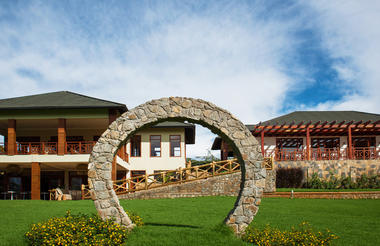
{"points": [[130, 146], [150, 145], [170, 146]]}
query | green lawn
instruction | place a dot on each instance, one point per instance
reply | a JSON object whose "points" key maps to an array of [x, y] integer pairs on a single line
{"points": [[196, 221], [322, 190]]}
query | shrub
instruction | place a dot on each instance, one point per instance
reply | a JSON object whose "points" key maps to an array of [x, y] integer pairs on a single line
{"points": [[289, 177], [78, 229], [301, 235], [363, 182]]}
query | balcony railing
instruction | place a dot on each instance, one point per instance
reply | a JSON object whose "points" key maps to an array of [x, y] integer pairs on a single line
{"points": [[370, 153], [37, 148], [289, 154], [79, 147], [320, 154]]}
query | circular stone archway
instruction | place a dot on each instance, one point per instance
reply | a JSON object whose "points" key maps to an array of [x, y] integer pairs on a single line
{"points": [[198, 111]]}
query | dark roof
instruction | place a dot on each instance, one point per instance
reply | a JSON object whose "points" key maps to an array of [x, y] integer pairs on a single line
{"points": [[189, 129], [217, 144], [58, 100], [320, 116]]}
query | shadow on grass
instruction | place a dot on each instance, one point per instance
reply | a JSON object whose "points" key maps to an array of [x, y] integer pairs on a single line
{"points": [[171, 225]]}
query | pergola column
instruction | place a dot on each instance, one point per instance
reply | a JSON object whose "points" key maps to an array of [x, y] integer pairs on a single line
{"points": [[349, 142], [11, 145], [35, 181], [308, 143], [61, 136]]}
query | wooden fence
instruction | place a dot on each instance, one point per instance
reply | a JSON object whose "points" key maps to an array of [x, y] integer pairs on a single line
{"points": [[178, 176]]}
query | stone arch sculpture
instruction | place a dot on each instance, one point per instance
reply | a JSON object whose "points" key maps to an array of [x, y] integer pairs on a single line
{"points": [[198, 111]]}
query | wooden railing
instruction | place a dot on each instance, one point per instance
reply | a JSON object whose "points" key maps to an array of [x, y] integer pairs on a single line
{"points": [[79, 147], [178, 176], [3, 147], [369, 153], [319, 154], [37, 148], [289, 154]]}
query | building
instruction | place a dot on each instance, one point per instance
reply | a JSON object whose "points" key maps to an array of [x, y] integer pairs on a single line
{"points": [[48, 139], [343, 142]]}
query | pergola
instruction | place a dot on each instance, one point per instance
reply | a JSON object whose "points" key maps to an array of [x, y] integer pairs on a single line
{"points": [[319, 128]]}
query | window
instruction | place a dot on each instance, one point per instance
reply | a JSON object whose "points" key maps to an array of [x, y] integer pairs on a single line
{"points": [[329, 143], [364, 142], [289, 143], [155, 145], [136, 146], [175, 145]]}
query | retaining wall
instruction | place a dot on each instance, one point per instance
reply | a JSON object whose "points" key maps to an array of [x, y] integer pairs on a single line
{"points": [[340, 168]]}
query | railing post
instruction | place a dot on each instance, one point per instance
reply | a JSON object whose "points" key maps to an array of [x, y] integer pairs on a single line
{"points": [[82, 191], [230, 165], [196, 172], [80, 147], [180, 174], [213, 168], [146, 181], [129, 185]]}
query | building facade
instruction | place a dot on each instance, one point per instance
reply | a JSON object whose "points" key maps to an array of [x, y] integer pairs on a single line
{"points": [[48, 139], [346, 143]]}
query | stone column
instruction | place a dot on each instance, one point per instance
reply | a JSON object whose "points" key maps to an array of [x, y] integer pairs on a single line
{"points": [[36, 181], [61, 136], [12, 146]]}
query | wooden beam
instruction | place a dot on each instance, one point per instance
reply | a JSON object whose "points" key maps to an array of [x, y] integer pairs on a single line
{"points": [[308, 143], [61, 136], [35, 181], [12, 145], [114, 169], [349, 142]]}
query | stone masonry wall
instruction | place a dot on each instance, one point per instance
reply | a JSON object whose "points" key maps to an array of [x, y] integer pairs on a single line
{"points": [[340, 168], [224, 185]]}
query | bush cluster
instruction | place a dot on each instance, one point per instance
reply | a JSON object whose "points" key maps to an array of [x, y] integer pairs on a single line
{"points": [[289, 177], [304, 234], [80, 229], [363, 182]]}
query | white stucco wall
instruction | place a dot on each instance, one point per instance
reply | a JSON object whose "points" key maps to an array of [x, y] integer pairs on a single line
{"points": [[165, 162]]}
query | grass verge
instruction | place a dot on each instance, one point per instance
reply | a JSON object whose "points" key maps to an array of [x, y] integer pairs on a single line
{"points": [[197, 221]]}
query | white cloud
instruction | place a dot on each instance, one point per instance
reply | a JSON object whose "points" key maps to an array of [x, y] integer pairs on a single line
{"points": [[229, 55], [351, 35]]}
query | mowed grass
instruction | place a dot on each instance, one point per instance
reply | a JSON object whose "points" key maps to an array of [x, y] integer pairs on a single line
{"points": [[323, 190], [197, 221]]}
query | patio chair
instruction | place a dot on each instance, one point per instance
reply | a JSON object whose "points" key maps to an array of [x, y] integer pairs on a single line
{"points": [[57, 194]]}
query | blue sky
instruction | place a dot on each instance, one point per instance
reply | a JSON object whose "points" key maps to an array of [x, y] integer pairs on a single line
{"points": [[257, 59]]}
